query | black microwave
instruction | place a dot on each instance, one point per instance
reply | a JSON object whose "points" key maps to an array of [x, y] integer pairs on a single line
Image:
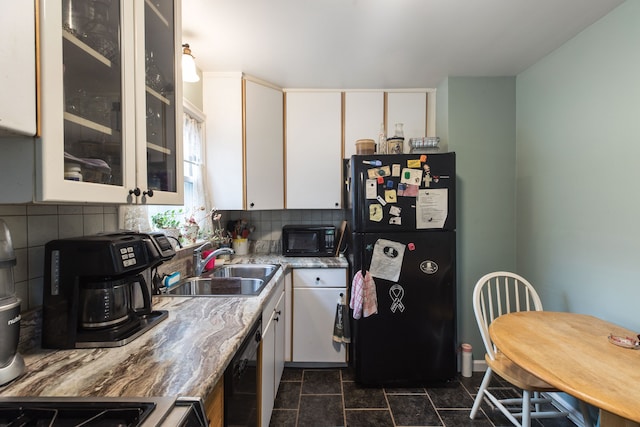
{"points": [[309, 240]]}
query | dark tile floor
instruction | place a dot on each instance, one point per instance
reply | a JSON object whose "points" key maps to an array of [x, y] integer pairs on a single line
{"points": [[330, 397]]}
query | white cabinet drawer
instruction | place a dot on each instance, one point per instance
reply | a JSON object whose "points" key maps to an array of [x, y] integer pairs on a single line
{"points": [[269, 307], [319, 277]]}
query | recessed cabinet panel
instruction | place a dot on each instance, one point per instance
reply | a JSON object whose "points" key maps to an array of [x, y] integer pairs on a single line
{"points": [[410, 109], [364, 112], [313, 145], [264, 147]]}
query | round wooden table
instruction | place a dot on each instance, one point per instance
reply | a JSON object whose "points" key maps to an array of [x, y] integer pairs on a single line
{"points": [[572, 352]]}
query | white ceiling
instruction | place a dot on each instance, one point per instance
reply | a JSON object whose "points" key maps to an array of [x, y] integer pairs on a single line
{"points": [[353, 44]]}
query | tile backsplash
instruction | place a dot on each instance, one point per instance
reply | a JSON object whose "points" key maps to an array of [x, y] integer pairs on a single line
{"points": [[269, 224], [33, 225]]}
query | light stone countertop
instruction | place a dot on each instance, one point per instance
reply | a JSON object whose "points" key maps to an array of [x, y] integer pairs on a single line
{"points": [[184, 355]]}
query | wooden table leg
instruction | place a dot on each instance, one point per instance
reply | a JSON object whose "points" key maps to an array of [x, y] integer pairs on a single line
{"points": [[607, 419]]}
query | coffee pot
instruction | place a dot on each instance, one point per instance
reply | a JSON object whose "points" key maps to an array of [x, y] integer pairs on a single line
{"points": [[110, 303], [11, 362]]}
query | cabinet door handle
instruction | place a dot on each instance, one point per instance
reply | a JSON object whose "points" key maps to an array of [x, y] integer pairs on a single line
{"points": [[148, 193], [135, 191], [279, 312], [276, 319]]}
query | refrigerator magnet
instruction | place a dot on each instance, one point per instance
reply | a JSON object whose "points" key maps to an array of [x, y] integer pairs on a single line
{"points": [[371, 189], [378, 172], [411, 176], [395, 210], [396, 292], [411, 246], [423, 158], [395, 170], [375, 212], [381, 200], [413, 163], [390, 196], [410, 190], [395, 220]]}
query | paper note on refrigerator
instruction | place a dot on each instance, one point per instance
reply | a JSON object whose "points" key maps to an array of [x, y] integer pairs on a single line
{"points": [[431, 208], [411, 176], [386, 261], [371, 186]]}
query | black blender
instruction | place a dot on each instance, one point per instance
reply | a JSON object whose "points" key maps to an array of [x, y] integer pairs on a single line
{"points": [[11, 363]]}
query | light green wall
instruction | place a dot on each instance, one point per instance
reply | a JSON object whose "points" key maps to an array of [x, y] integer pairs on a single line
{"points": [[476, 118], [578, 148]]}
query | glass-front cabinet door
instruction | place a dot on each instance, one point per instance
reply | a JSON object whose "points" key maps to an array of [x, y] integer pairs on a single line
{"points": [[91, 120], [161, 137]]}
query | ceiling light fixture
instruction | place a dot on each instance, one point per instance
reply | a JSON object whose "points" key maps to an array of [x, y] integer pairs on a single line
{"points": [[189, 73]]}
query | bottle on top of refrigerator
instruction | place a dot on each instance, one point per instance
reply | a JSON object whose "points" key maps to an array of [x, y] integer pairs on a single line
{"points": [[382, 140]]}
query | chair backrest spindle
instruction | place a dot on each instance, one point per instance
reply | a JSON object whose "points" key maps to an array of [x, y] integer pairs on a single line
{"points": [[501, 293]]}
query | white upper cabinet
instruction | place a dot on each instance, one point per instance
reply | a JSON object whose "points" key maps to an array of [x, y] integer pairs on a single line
{"points": [[363, 114], [111, 102], [313, 149], [264, 142], [18, 80], [244, 142], [410, 109]]}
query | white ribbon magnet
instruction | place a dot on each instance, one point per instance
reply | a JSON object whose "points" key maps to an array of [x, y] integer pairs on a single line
{"points": [[396, 292]]}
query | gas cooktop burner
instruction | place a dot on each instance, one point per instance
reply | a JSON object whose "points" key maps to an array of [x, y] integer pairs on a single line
{"points": [[75, 415], [84, 412]]}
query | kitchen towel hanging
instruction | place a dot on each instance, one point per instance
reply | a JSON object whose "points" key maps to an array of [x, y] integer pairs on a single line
{"points": [[341, 327], [364, 301]]}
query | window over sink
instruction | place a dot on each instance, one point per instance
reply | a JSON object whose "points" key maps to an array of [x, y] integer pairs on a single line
{"points": [[190, 221]]}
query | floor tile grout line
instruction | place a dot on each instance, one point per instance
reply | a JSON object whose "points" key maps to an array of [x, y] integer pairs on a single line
{"points": [[344, 410], [386, 399], [299, 398]]}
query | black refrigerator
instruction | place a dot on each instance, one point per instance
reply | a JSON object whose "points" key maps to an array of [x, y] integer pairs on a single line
{"points": [[403, 223]]}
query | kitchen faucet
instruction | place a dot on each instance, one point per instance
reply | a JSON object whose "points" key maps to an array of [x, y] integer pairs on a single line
{"points": [[199, 263]]}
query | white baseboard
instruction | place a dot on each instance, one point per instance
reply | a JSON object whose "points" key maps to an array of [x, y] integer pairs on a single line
{"points": [[479, 366]]}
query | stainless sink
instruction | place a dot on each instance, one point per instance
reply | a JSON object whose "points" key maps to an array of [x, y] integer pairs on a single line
{"points": [[253, 271], [227, 280], [217, 286]]}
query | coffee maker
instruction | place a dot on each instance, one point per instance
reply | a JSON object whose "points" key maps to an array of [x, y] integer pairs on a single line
{"points": [[11, 363], [91, 286]]}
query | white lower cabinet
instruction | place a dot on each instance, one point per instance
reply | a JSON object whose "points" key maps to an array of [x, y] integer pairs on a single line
{"points": [[272, 351], [316, 293]]}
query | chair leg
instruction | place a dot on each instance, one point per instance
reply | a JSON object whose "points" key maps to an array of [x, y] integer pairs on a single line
{"points": [[536, 399], [526, 408], [483, 386]]}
